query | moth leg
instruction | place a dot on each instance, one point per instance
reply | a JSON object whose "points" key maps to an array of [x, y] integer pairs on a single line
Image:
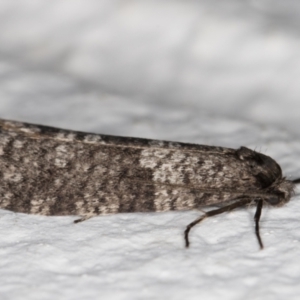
{"points": [[256, 219], [84, 218], [213, 213]]}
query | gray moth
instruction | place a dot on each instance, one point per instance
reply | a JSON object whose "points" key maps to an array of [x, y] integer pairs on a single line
{"points": [[56, 172]]}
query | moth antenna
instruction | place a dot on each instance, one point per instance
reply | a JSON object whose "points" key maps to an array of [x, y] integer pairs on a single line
{"points": [[296, 181]]}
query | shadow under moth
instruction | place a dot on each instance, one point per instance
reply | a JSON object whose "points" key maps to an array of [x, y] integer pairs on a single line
{"points": [[55, 172]]}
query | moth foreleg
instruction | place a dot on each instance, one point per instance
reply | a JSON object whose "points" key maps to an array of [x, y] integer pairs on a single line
{"points": [[213, 213], [256, 219]]}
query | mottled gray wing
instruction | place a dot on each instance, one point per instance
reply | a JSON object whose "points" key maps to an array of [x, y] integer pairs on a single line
{"points": [[50, 171]]}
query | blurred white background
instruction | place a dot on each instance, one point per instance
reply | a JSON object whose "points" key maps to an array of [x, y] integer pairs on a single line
{"points": [[208, 71]]}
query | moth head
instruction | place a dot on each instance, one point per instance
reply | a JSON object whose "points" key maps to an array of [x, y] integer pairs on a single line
{"points": [[262, 167]]}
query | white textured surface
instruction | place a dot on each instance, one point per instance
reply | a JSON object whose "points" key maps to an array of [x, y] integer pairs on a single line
{"points": [[214, 72]]}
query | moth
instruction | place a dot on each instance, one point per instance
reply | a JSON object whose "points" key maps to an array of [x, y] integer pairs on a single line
{"points": [[56, 172]]}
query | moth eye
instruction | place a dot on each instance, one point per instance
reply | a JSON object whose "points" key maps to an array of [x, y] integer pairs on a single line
{"points": [[273, 200]]}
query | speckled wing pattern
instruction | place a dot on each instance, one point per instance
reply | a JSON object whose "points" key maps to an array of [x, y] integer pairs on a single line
{"points": [[49, 171]]}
